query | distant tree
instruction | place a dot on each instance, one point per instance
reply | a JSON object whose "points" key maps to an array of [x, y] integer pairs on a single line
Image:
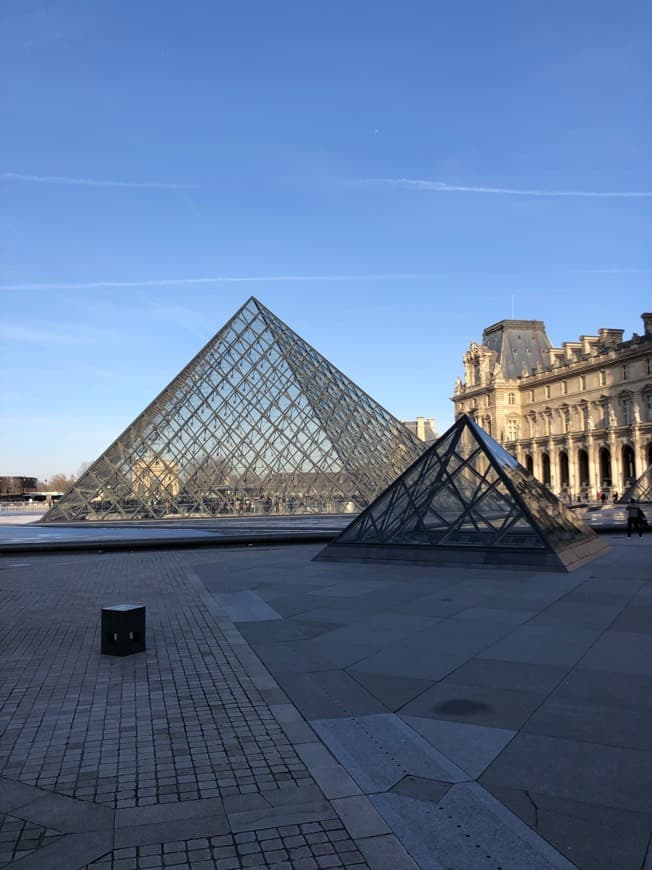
{"points": [[56, 483], [82, 468]]}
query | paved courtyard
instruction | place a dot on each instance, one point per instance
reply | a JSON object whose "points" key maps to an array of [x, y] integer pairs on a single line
{"points": [[289, 713]]}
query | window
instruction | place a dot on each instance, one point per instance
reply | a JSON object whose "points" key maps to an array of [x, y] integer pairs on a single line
{"points": [[547, 391], [582, 382], [604, 413], [564, 387], [488, 400], [625, 373], [511, 399], [567, 421], [531, 395], [512, 430], [649, 407], [628, 411], [603, 377]]}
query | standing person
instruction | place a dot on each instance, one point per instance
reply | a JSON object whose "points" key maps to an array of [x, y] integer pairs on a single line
{"points": [[603, 498], [633, 518]]}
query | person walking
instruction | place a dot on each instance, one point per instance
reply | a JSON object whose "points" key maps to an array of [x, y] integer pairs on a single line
{"points": [[633, 518]]}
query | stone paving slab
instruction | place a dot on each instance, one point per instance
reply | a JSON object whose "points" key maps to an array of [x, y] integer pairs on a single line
{"points": [[467, 828], [470, 747], [246, 606], [379, 750]]}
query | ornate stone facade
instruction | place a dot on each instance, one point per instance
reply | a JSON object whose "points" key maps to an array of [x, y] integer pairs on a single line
{"points": [[578, 417]]}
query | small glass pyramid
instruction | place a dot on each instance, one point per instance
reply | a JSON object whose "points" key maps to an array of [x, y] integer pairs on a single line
{"points": [[257, 423], [467, 500], [641, 489]]}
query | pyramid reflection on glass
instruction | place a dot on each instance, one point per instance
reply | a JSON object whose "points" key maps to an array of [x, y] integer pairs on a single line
{"points": [[466, 500], [257, 423], [641, 489]]}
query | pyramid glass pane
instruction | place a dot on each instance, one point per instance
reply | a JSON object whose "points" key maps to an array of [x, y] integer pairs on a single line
{"points": [[257, 423], [641, 490], [466, 493]]}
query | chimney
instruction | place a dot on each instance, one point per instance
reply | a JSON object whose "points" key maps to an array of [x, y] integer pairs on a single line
{"points": [[611, 336], [647, 323]]}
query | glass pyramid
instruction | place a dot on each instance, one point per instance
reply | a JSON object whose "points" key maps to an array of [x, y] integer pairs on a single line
{"points": [[467, 500], [257, 423], [641, 489]]}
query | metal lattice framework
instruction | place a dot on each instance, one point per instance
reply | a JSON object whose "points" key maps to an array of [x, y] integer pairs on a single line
{"points": [[258, 422], [641, 489], [465, 492]]}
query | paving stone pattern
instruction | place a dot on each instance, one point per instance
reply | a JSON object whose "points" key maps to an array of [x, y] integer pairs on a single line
{"points": [[302, 847], [181, 722], [395, 718], [19, 838]]}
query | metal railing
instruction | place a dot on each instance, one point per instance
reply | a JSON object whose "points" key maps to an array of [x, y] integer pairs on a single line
{"points": [[23, 507]]}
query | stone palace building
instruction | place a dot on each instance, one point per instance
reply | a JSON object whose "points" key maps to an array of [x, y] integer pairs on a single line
{"points": [[578, 417]]}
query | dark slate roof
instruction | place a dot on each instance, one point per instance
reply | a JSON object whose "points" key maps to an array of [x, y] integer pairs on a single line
{"points": [[518, 343]]}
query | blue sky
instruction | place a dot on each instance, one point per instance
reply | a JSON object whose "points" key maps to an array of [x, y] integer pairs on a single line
{"points": [[387, 177]]}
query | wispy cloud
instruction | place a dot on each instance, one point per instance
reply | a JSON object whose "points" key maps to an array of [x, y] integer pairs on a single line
{"points": [[444, 187], [215, 279], [90, 182]]}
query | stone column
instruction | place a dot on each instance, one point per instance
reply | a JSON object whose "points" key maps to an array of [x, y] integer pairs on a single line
{"points": [[639, 456], [616, 463], [554, 461], [536, 461], [590, 452], [573, 468], [594, 469]]}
